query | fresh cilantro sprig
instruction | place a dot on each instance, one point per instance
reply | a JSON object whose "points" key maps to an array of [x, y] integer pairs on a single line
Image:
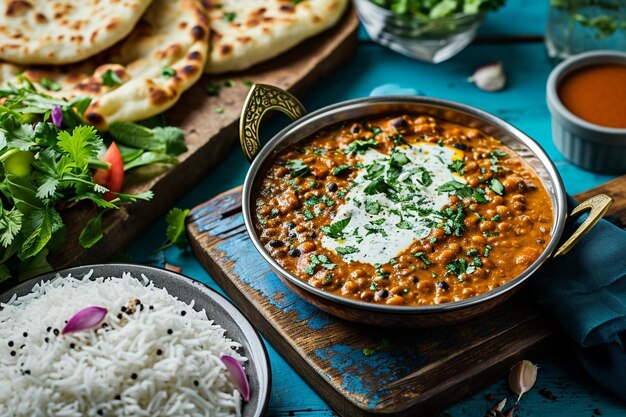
{"points": [[47, 160]]}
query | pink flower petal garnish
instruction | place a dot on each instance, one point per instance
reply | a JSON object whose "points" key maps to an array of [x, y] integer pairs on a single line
{"points": [[85, 319], [57, 116], [238, 375]]}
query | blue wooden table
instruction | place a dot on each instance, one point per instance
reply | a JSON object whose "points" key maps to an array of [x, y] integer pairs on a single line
{"points": [[509, 36]]}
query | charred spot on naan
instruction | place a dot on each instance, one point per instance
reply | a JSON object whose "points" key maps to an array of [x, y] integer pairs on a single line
{"points": [[94, 118], [17, 7]]}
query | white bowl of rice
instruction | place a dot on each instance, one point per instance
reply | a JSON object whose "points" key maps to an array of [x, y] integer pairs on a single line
{"points": [[155, 353]]}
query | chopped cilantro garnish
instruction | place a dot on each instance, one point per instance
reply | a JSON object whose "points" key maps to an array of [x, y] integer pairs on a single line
{"points": [[308, 215], [490, 234], [479, 195], [472, 252], [229, 16], [360, 146], [422, 257], [298, 168], [374, 170], [371, 229], [496, 218], [372, 207], [346, 250], [456, 267], [213, 89], [403, 224], [341, 169], [168, 72], [335, 230], [398, 159], [457, 166], [373, 286], [488, 249], [453, 221], [496, 186], [327, 279], [426, 178], [455, 187]]}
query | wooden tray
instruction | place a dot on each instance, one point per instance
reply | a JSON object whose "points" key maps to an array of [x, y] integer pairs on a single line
{"points": [[209, 135], [409, 372]]}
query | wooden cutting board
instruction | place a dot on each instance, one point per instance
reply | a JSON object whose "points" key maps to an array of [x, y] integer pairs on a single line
{"points": [[400, 372], [210, 124]]}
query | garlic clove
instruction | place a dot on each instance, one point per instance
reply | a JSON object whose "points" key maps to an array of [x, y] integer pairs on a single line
{"points": [[522, 377], [489, 77]]}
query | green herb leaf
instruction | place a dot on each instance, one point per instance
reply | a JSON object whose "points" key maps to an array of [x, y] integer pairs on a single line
{"points": [[50, 84], [229, 16], [92, 232], [111, 79], [496, 186], [168, 72], [457, 166], [346, 250], [298, 168], [456, 187], [335, 230], [360, 146]]}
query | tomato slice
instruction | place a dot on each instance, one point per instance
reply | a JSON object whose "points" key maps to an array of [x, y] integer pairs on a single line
{"points": [[114, 176]]}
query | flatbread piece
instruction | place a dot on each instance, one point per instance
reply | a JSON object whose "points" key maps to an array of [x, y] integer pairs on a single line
{"points": [[64, 31], [140, 77], [246, 32]]}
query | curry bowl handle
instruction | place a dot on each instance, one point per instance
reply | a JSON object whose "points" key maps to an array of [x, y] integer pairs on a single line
{"points": [[597, 207], [261, 99]]}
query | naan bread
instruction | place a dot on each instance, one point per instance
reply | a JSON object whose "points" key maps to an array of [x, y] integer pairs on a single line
{"points": [[161, 58], [246, 32], [64, 31]]}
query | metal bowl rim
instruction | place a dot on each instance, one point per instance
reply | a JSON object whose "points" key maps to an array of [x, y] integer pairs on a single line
{"points": [[267, 151]]}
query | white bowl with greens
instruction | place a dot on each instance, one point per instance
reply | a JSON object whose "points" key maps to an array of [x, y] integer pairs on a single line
{"points": [[427, 30]]}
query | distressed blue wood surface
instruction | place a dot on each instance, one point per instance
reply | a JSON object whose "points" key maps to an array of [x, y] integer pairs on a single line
{"points": [[522, 103]]}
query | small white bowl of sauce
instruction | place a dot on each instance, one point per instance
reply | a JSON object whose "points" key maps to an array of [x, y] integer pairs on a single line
{"points": [[586, 95]]}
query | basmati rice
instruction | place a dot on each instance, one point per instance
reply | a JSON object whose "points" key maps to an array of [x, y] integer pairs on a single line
{"points": [[158, 359]]}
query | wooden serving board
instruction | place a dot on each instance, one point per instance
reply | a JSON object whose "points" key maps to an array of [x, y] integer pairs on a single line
{"points": [[210, 134], [410, 372]]}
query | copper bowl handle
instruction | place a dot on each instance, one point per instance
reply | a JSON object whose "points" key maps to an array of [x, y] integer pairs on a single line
{"points": [[261, 99], [597, 206]]}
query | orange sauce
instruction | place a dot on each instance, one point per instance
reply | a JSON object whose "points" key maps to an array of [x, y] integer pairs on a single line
{"points": [[597, 94]]}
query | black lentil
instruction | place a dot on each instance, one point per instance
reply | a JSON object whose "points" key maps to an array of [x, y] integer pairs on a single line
{"points": [[49, 329], [170, 331], [11, 343], [331, 187], [443, 285], [183, 313], [196, 383], [294, 253], [276, 243], [133, 375], [13, 353], [72, 345], [25, 334], [290, 225], [159, 352]]}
